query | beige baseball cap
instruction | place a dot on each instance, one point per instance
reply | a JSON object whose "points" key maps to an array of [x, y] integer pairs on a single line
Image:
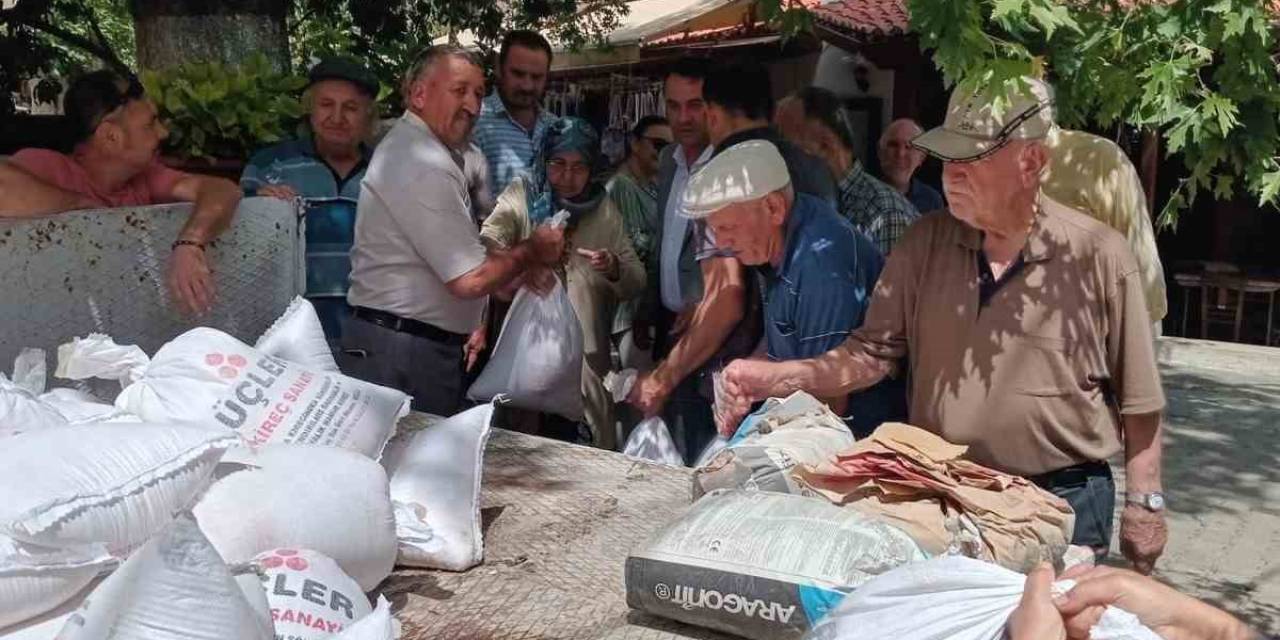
{"points": [[744, 172], [973, 131]]}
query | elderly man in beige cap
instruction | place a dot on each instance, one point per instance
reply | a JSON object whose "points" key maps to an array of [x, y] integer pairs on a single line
{"points": [[818, 270], [1021, 324]]}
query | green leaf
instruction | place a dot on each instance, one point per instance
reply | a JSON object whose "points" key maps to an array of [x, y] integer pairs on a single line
{"points": [[1225, 187], [1224, 110], [1005, 8], [1270, 188]]}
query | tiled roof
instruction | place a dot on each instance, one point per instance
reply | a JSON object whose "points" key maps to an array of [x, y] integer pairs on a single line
{"points": [[717, 34], [865, 17]]}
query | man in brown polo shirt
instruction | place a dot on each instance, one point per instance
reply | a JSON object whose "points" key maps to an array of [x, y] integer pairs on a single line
{"points": [[1021, 326]]}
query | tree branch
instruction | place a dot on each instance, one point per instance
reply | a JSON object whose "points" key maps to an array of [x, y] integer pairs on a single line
{"points": [[102, 51], [115, 60]]}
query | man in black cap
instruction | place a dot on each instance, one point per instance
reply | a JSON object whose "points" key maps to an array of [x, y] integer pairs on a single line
{"points": [[325, 168], [340, 102]]}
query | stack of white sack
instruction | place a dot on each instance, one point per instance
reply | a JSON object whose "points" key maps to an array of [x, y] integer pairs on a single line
{"points": [[207, 377], [74, 500], [770, 443], [327, 499]]}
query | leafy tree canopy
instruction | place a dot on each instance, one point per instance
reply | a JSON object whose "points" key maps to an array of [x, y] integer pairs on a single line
{"points": [[1201, 72]]}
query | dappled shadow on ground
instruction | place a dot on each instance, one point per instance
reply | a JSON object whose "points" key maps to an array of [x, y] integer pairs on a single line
{"points": [[1222, 441]]}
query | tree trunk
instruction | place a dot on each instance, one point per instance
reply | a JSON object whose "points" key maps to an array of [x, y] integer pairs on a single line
{"points": [[171, 32]]}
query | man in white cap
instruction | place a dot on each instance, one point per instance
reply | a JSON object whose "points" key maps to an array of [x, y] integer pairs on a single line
{"points": [[818, 270], [1022, 326]]}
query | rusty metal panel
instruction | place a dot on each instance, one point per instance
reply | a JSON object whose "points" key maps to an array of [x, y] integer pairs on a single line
{"points": [[559, 521], [104, 271]]}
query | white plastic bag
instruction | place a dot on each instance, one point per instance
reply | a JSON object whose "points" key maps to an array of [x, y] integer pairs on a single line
{"points": [[174, 588], [537, 363], [310, 596], [36, 579], [21, 408], [46, 626], [435, 487], [207, 377], [297, 336], [379, 625], [323, 498], [651, 440], [948, 598], [115, 484]]}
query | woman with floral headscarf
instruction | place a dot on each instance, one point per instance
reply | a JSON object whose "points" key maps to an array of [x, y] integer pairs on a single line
{"points": [[602, 268]]}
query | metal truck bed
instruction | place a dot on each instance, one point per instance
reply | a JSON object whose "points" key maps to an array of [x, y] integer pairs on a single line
{"points": [[559, 520]]}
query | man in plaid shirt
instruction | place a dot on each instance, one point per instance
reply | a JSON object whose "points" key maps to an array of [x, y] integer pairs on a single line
{"points": [[815, 120]]}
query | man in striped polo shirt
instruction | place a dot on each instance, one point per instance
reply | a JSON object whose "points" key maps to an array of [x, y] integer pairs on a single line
{"points": [[512, 119]]}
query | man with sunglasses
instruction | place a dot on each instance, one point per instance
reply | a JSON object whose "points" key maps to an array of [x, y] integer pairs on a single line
{"points": [[1022, 326], [115, 163]]}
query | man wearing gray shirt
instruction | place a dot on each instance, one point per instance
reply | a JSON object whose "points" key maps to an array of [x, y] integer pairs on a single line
{"points": [[419, 274]]}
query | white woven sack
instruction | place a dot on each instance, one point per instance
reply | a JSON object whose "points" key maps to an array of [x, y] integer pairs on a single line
{"points": [[36, 579], [207, 377], [537, 363], [174, 588], [297, 336], [309, 595], [114, 483], [379, 625], [327, 499], [435, 487], [21, 408]]}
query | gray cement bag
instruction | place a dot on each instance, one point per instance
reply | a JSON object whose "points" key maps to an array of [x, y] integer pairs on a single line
{"points": [[761, 565], [770, 443]]}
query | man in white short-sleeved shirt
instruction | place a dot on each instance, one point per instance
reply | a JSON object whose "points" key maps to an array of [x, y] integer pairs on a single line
{"points": [[419, 274]]}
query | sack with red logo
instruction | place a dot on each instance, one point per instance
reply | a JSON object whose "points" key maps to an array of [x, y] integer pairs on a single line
{"points": [[311, 598], [207, 377], [331, 500]]}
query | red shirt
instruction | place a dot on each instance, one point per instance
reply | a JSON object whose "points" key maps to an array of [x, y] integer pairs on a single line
{"points": [[153, 186]]}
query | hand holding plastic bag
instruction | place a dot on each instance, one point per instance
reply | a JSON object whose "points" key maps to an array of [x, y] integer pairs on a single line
{"points": [[949, 598]]}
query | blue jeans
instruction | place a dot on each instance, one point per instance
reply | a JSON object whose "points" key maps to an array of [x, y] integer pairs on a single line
{"points": [[1090, 489]]}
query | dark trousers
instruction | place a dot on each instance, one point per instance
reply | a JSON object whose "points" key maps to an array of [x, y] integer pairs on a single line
{"points": [[1090, 489], [430, 371]]}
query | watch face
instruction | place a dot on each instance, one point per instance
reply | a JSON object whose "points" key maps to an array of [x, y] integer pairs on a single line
{"points": [[1155, 501]]}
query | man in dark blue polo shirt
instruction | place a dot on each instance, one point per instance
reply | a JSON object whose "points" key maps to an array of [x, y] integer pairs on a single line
{"points": [[817, 271]]}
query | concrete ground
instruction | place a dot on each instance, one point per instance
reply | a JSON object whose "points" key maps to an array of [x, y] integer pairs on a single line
{"points": [[1222, 477]]}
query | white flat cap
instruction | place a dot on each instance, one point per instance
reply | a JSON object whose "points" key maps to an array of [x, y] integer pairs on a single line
{"points": [[744, 172]]}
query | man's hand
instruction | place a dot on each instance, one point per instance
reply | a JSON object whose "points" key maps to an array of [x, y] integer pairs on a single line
{"points": [[1170, 614], [742, 383], [191, 280], [603, 261], [1036, 618], [281, 191], [1143, 535], [475, 346], [650, 392], [547, 244], [540, 280]]}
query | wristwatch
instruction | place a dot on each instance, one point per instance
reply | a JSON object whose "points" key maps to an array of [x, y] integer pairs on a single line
{"points": [[1153, 501]]}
